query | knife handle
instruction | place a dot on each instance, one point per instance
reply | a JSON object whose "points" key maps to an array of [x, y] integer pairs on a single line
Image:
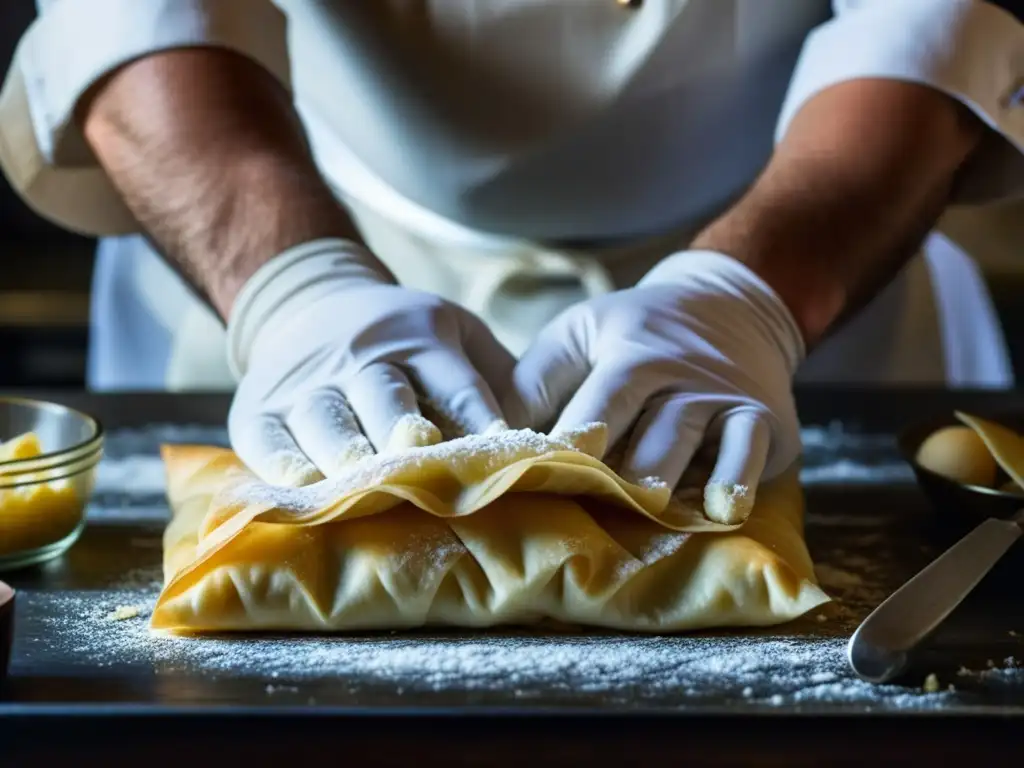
{"points": [[879, 649]]}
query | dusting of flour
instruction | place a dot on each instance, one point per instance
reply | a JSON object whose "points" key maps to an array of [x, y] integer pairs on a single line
{"points": [[500, 450], [790, 666], [751, 670]]}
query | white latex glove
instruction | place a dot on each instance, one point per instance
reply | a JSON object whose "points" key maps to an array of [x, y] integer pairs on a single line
{"points": [[332, 355], [700, 348]]}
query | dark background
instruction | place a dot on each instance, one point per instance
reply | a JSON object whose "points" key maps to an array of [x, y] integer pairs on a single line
{"points": [[45, 273]]}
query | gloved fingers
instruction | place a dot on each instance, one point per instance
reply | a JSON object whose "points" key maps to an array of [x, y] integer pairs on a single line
{"points": [[543, 381], [264, 443], [384, 401], [611, 395], [457, 391], [326, 430], [665, 440], [742, 456], [486, 354]]}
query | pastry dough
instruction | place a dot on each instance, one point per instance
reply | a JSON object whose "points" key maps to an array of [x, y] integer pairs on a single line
{"points": [[1006, 446], [511, 528]]}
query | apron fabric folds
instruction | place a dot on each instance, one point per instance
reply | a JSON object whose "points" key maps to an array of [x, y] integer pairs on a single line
{"points": [[559, 119], [934, 324]]}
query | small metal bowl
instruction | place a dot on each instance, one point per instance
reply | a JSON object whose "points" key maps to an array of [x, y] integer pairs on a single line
{"points": [[43, 498], [958, 504]]}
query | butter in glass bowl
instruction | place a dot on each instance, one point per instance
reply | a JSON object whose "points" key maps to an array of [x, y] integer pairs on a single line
{"points": [[47, 473]]}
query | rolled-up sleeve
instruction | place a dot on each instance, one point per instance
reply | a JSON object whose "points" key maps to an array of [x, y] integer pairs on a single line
{"points": [[73, 44], [972, 50]]}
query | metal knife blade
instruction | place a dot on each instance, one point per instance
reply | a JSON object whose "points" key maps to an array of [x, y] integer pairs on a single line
{"points": [[880, 648]]}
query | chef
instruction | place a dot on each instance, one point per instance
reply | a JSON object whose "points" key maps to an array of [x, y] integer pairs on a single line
{"points": [[649, 213]]}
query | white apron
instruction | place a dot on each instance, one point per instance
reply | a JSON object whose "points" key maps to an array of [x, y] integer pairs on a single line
{"points": [[617, 121], [933, 325]]}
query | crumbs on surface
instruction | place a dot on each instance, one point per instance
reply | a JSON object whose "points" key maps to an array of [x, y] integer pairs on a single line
{"points": [[931, 683], [1011, 669], [123, 612]]}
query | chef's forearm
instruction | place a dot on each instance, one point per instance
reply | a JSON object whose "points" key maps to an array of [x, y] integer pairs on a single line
{"points": [[212, 160], [862, 175]]}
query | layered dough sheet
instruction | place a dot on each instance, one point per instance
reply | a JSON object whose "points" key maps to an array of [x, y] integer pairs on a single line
{"points": [[513, 528], [1005, 445]]}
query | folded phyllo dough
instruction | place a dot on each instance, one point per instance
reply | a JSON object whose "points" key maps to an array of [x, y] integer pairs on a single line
{"points": [[512, 528]]}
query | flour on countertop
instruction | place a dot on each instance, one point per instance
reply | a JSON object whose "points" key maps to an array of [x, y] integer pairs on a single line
{"points": [[753, 669], [797, 665], [788, 666], [846, 471], [131, 476], [835, 436]]}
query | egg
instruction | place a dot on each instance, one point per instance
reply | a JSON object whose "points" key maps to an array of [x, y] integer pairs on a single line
{"points": [[957, 453]]}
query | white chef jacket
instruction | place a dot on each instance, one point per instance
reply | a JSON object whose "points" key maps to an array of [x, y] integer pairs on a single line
{"points": [[504, 129]]}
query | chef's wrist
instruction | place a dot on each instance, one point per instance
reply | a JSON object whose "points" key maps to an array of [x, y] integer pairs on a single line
{"points": [[266, 205], [713, 273], [295, 278], [810, 290], [816, 301], [847, 199]]}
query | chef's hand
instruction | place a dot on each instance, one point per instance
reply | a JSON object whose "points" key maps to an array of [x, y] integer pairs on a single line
{"points": [[332, 354], [700, 348]]}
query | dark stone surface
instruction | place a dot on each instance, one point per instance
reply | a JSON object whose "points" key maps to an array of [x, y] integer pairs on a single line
{"points": [[879, 532]]}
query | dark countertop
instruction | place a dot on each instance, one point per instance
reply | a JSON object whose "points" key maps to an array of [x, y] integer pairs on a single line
{"points": [[780, 696]]}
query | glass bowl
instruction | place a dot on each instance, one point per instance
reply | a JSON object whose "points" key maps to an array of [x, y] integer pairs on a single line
{"points": [[43, 497]]}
